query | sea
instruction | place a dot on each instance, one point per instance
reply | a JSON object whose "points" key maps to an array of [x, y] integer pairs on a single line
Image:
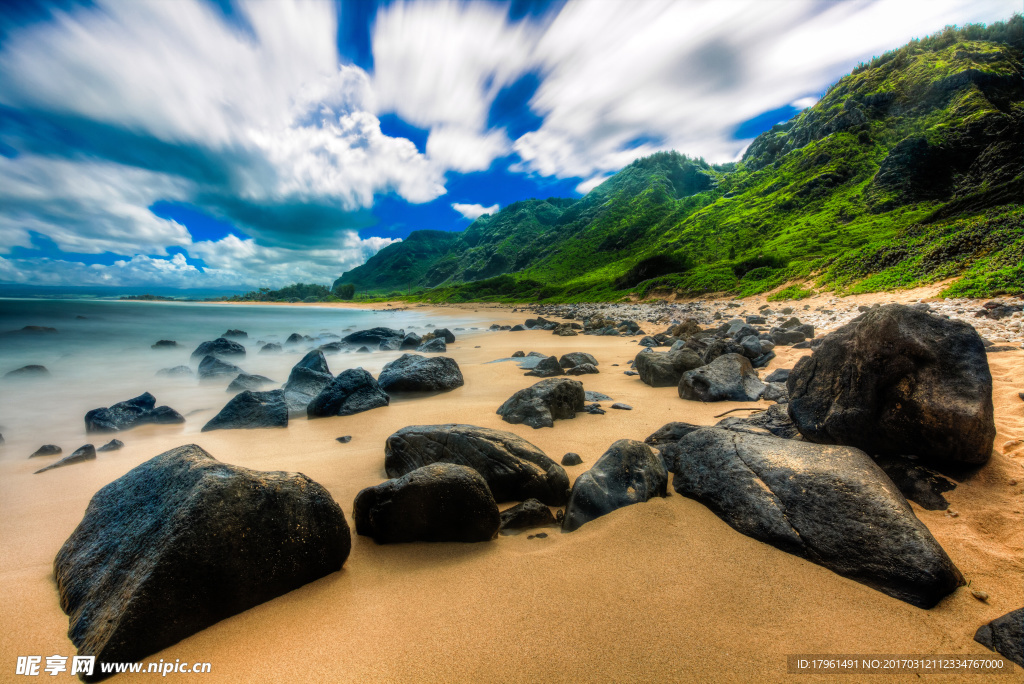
{"points": [[102, 353]]}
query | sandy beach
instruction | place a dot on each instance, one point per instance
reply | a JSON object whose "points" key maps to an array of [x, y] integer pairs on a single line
{"points": [[659, 591]]}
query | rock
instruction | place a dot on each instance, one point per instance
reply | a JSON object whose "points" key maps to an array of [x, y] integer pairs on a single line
{"points": [[294, 338], [670, 434], [434, 345], [622, 407], [315, 361], [595, 396], [571, 459], [831, 505], [372, 336], [519, 327], [245, 381], [778, 375], [594, 409], [547, 368], [47, 450], [917, 483], [564, 330], [544, 402], [31, 331], [439, 502], [128, 414], [237, 334], [31, 371], [353, 391], [175, 372], [527, 515], [344, 439], [249, 410], [112, 445], [410, 341], [1005, 635], [727, 378], [164, 344], [86, 452], [514, 469], [649, 341], [307, 379], [762, 361], [220, 347], [630, 372], [664, 369], [628, 473], [271, 348], [183, 541], [775, 420], [582, 369], [573, 359], [415, 373], [212, 367], [784, 338], [445, 334], [518, 355], [776, 391], [898, 381], [387, 344]]}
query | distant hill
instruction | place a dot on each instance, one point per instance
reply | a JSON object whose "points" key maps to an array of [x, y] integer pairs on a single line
{"points": [[908, 170]]}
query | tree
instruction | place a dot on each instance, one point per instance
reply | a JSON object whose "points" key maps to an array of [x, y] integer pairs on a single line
{"points": [[346, 291]]}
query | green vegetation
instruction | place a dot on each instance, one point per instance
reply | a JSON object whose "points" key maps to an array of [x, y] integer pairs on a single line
{"points": [[147, 298], [299, 292], [907, 171]]}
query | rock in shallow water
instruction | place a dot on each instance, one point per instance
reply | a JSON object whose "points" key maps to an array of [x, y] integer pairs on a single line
{"points": [[245, 381], [514, 469], [248, 410], [415, 373], [220, 347], [112, 445], [128, 414], [438, 502], [86, 452], [46, 450], [831, 505], [212, 367], [544, 402], [32, 371], [183, 541], [353, 391]]}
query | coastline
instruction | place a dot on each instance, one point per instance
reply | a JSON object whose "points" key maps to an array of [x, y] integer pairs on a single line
{"points": [[662, 590]]}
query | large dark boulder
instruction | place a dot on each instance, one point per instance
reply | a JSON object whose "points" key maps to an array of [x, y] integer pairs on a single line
{"points": [[628, 473], [440, 502], [831, 505], [434, 345], [544, 402], [445, 334], [775, 420], [245, 381], [353, 391], [514, 469], [86, 452], [547, 368], [306, 380], [373, 336], [582, 369], [727, 378], [46, 450], [183, 541], [221, 347], [313, 360], [1005, 635], [898, 381], [664, 369], [212, 367], [415, 373], [526, 515], [573, 359], [410, 341], [251, 410], [128, 414]]}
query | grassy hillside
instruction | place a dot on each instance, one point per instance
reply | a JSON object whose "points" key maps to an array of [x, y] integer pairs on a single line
{"points": [[909, 170]]}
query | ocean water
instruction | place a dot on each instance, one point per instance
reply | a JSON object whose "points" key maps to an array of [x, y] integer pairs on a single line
{"points": [[101, 354]]}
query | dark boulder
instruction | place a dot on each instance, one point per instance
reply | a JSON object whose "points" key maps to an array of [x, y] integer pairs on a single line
{"points": [[670, 433], [777, 392], [372, 336], [164, 344], [727, 378], [898, 381], [778, 375], [415, 373], [595, 396], [112, 445], [183, 541], [831, 505], [237, 334], [332, 347], [86, 452], [128, 414], [315, 361], [514, 469], [245, 381], [775, 420], [573, 359], [294, 338], [434, 345], [785, 338], [664, 369], [46, 450], [410, 341], [921, 485], [527, 515], [303, 385], [387, 344], [251, 410], [175, 372], [353, 391], [212, 367], [571, 459], [544, 402], [1005, 636], [440, 502], [221, 347], [628, 473], [518, 327], [445, 334], [548, 367], [582, 369], [271, 348], [32, 371]]}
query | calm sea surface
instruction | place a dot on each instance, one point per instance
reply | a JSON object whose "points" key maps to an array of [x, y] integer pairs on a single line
{"points": [[101, 354]]}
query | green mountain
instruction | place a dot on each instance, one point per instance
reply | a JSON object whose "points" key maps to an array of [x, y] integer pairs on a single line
{"points": [[908, 170]]}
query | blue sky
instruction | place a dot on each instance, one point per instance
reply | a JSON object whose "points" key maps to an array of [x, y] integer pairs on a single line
{"points": [[232, 144]]}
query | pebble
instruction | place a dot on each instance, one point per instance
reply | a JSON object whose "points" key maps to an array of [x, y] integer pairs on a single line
{"points": [[345, 440], [539, 535], [979, 594], [620, 405]]}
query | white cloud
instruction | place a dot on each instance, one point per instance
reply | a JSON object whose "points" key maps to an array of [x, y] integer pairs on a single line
{"points": [[474, 211], [586, 186], [804, 102]]}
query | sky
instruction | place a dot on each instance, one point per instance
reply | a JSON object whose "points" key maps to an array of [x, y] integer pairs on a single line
{"points": [[235, 144]]}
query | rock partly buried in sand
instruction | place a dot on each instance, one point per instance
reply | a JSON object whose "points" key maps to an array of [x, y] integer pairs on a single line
{"points": [[571, 459], [664, 369], [353, 391], [221, 347], [128, 414], [514, 469], [27, 372], [112, 445], [898, 381], [183, 541], [434, 345], [573, 359], [527, 515], [1005, 635], [729, 377], [628, 473], [47, 450], [440, 502], [919, 484], [245, 381], [212, 367], [248, 410], [829, 504], [775, 420], [543, 403], [86, 452], [175, 372], [415, 373], [582, 369], [547, 368]]}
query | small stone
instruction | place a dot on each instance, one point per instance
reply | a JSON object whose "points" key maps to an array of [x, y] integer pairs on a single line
{"points": [[621, 406], [539, 535], [979, 594], [344, 440], [629, 372], [112, 445], [951, 513], [571, 459]]}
